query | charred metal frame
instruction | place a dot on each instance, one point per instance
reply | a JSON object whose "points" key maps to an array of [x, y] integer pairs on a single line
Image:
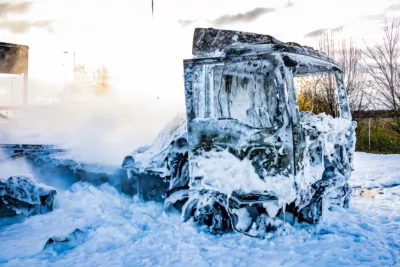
{"points": [[292, 62], [290, 69], [14, 60], [286, 147]]}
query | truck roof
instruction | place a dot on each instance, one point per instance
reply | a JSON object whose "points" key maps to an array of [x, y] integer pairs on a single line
{"points": [[10, 45], [217, 43]]}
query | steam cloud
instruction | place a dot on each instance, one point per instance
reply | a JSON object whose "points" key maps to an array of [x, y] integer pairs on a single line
{"points": [[14, 8]]}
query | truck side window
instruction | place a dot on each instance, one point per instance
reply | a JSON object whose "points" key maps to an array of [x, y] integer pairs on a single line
{"points": [[317, 93]]}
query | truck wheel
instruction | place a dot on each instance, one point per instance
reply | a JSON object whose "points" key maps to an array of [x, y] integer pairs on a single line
{"points": [[214, 216], [202, 207], [311, 213], [210, 213]]}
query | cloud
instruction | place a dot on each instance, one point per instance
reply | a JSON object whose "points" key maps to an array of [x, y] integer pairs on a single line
{"points": [[242, 17], [322, 31], [186, 22], [14, 7], [23, 26], [246, 17], [394, 7], [375, 17], [315, 33], [289, 4], [380, 17]]}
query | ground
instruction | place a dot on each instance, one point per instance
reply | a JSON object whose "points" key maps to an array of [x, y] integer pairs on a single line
{"points": [[116, 230]]}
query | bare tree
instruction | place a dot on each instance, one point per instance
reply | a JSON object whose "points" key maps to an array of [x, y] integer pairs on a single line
{"points": [[101, 80], [349, 58], [383, 65], [80, 74]]}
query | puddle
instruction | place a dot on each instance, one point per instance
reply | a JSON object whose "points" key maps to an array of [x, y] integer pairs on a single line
{"points": [[366, 193]]}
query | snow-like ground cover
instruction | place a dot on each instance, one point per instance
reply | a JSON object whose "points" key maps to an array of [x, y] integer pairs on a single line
{"points": [[376, 171], [116, 230]]}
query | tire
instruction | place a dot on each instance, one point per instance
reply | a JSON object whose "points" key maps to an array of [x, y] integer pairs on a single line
{"points": [[203, 207], [211, 214]]}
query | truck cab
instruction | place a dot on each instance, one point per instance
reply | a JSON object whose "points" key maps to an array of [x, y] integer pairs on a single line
{"points": [[248, 159]]}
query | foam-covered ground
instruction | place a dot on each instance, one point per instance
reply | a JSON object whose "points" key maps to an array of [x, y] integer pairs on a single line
{"points": [[117, 231]]}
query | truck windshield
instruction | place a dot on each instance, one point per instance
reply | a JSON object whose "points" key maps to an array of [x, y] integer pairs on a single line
{"points": [[246, 91]]}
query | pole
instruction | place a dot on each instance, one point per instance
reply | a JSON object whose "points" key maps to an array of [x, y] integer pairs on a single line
{"points": [[74, 70], [369, 133], [67, 52], [26, 88], [26, 75], [12, 91]]}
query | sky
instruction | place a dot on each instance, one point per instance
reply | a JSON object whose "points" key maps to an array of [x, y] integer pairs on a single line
{"points": [[144, 51]]}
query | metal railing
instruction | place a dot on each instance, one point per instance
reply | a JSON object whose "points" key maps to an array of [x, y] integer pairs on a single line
{"points": [[14, 151]]}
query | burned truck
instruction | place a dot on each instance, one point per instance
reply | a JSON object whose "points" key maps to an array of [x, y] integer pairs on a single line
{"points": [[244, 157]]}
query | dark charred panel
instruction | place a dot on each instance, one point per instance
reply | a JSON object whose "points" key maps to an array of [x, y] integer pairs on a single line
{"points": [[290, 63], [210, 40], [284, 48], [13, 58]]}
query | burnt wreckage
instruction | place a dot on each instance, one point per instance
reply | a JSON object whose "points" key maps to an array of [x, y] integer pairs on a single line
{"points": [[245, 158]]}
